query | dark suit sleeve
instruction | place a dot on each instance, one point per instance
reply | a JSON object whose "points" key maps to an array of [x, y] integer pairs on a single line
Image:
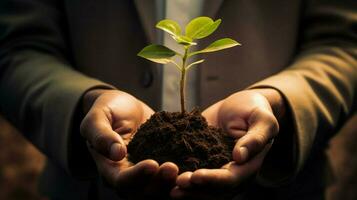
{"points": [[320, 85], [39, 90]]}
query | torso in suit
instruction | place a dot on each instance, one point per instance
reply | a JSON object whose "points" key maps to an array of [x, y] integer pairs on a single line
{"points": [[101, 39], [107, 36]]}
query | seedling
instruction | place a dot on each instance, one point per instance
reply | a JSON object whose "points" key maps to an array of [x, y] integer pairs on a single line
{"points": [[196, 29]]}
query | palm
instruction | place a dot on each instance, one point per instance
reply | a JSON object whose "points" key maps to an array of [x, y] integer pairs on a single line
{"points": [[247, 117], [127, 114], [234, 114]]}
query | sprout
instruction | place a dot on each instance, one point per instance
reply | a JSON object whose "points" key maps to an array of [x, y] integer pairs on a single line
{"points": [[197, 28]]}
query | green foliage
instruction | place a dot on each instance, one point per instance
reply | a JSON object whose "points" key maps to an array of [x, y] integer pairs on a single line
{"points": [[184, 40], [197, 28], [218, 45], [201, 27], [194, 63], [157, 53], [173, 28], [169, 26]]}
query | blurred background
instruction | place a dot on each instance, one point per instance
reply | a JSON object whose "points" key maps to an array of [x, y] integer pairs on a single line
{"points": [[21, 165]]}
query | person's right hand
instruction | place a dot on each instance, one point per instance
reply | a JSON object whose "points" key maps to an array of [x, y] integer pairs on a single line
{"points": [[111, 120]]}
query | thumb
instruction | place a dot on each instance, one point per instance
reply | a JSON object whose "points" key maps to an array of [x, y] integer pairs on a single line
{"points": [[262, 128], [97, 129]]}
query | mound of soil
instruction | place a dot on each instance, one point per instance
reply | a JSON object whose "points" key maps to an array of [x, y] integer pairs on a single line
{"points": [[184, 139]]}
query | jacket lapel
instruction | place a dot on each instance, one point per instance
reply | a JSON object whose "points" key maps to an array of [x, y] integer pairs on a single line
{"points": [[211, 7], [147, 14]]}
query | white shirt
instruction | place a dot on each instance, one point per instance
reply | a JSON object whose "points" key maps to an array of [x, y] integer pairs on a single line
{"points": [[181, 11]]}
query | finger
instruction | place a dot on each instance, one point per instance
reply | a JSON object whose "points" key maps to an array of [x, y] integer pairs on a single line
{"points": [[184, 180], [164, 181], [134, 181], [263, 127], [108, 169], [168, 171], [216, 178], [96, 128], [138, 174], [128, 180], [230, 176]]}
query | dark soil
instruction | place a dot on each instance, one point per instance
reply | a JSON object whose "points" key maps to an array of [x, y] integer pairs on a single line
{"points": [[184, 139]]}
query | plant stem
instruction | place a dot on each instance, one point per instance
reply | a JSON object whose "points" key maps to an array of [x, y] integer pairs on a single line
{"points": [[183, 80]]}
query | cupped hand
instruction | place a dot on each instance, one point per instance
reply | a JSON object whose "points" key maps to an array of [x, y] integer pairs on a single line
{"points": [[248, 117], [111, 120]]}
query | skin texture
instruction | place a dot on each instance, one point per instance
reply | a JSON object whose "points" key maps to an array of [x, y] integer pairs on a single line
{"points": [[250, 116], [112, 117]]}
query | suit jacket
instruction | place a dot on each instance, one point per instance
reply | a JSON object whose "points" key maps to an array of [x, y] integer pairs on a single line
{"points": [[52, 52]]}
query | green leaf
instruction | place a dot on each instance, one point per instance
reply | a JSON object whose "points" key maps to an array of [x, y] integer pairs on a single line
{"points": [[195, 26], [184, 40], [201, 27], [157, 53], [194, 63], [169, 26], [218, 45], [208, 29], [176, 65]]}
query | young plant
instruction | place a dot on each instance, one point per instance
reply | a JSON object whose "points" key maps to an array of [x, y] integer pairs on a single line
{"points": [[197, 28]]}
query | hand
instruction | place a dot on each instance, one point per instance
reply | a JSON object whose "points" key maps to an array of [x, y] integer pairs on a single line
{"points": [[112, 117], [247, 116]]}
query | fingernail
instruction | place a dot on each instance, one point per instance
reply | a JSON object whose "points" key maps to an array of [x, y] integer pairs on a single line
{"points": [[117, 151], [243, 151]]}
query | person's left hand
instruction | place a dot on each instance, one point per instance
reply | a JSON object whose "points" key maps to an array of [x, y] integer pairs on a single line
{"points": [[248, 117]]}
